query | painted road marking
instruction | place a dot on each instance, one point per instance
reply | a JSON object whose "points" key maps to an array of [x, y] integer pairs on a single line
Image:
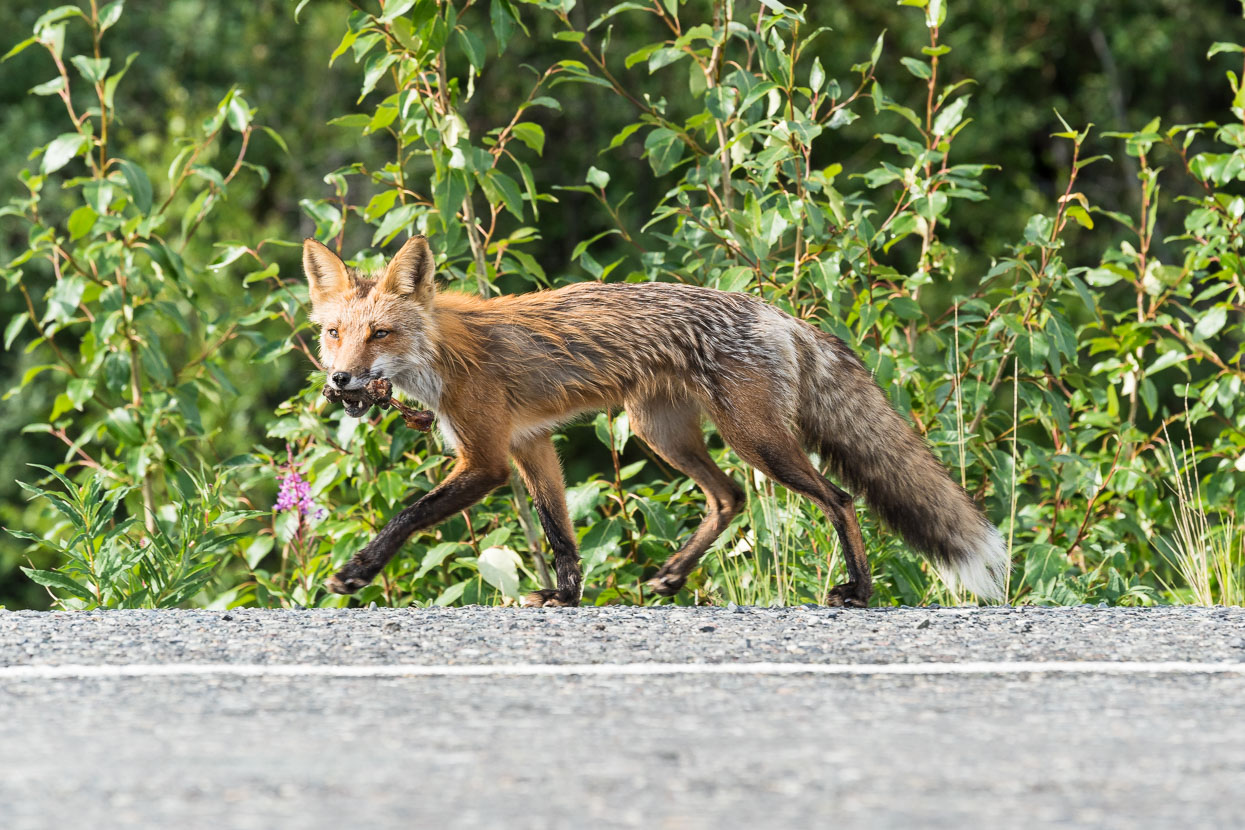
{"points": [[607, 669]]}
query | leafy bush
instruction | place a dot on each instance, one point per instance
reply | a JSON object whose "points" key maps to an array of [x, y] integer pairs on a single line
{"points": [[1047, 386]]}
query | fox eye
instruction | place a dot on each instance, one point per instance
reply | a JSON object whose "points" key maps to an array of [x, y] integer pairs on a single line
{"points": [[379, 333], [333, 333]]}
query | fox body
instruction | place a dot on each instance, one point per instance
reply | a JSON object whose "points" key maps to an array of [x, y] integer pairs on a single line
{"points": [[502, 373]]}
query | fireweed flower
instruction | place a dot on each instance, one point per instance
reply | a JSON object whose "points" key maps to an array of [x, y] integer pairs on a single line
{"points": [[295, 494]]}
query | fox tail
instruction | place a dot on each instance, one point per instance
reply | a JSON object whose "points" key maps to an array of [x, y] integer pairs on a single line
{"points": [[873, 451]]}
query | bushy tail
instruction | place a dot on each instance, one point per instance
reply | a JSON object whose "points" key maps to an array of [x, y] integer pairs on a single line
{"points": [[873, 452]]}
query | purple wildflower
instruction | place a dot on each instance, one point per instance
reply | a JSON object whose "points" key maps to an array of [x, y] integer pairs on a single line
{"points": [[295, 493]]}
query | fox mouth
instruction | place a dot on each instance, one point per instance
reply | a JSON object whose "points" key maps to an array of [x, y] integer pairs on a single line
{"points": [[355, 407], [354, 396]]}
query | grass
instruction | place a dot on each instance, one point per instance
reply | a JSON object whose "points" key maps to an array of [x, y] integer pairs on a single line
{"points": [[1207, 548]]}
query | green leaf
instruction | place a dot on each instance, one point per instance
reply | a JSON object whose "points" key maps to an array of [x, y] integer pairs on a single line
{"points": [[1221, 46], [533, 135], [474, 48], [451, 594], [51, 87], [1165, 360], [63, 299], [499, 567], [721, 102], [623, 134], [1043, 562], [63, 148], [391, 486], [80, 391], [238, 113], [664, 57], [509, 191], [379, 205], [1038, 230], [598, 178], [81, 221], [951, 116], [326, 216], [20, 47], [658, 520], [1080, 215], [587, 243], [1209, 324], [395, 9], [231, 254], [16, 323], [276, 137], [394, 222], [110, 85], [582, 499], [375, 69], [817, 75], [921, 69], [503, 17], [56, 15], [32, 373], [664, 148], [138, 184], [110, 14], [54, 579], [93, 69]]}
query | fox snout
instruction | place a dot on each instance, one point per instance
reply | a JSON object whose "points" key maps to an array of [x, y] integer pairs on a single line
{"points": [[352, 379]]}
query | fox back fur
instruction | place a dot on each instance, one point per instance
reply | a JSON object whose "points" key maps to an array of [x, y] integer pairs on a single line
{"points": [[502, 373]]}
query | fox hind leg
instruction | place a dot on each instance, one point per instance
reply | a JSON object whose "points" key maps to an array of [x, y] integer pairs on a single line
{"points": [[672, 429], [772, 448]]}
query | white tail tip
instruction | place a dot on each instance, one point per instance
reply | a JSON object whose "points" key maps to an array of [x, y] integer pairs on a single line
{"points": [[985, 571]]}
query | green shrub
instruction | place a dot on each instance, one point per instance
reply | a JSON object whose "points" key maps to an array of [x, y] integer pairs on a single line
{"points": [[1045, 385]]}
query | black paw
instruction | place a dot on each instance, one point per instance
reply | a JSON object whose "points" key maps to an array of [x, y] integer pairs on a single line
{"points": [[342, 584], [667, 585], [549, 598], [847, 595]]}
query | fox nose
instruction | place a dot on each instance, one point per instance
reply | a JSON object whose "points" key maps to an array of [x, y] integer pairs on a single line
{"points": [[340, 379]]}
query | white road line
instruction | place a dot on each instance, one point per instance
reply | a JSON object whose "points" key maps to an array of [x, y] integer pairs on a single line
{"points": [[607, 669]]}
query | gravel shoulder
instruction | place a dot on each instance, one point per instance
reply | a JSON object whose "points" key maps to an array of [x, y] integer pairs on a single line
{"points": [[623, 635]]}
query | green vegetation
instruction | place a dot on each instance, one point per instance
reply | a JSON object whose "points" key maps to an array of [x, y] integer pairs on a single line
{"points": [[1057, 305]]}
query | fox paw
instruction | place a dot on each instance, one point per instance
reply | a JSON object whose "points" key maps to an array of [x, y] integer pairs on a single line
{"points": [[847, 595], [667, 585], [342, 584], [549, 598]]}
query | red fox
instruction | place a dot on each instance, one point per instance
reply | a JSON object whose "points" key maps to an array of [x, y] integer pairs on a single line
{"points": [[502, 373]]}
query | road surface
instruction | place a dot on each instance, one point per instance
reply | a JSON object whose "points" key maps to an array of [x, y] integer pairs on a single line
{"points": [[623, 717]]}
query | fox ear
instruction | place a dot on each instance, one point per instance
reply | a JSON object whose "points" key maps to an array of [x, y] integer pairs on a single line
{"points": [[326, 273], [411, 270]]}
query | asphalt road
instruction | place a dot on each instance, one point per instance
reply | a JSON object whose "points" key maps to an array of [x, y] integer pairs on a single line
{"points": [[352, 718]]}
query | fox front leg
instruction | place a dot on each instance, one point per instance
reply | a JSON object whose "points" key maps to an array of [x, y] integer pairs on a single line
{"points": [[537, 462], [466, 484]]}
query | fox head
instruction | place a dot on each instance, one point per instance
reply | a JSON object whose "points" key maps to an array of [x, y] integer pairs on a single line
{"points": [[371, 326]]}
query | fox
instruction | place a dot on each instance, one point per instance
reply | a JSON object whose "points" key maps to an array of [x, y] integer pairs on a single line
{"points": [[502, 373]]}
